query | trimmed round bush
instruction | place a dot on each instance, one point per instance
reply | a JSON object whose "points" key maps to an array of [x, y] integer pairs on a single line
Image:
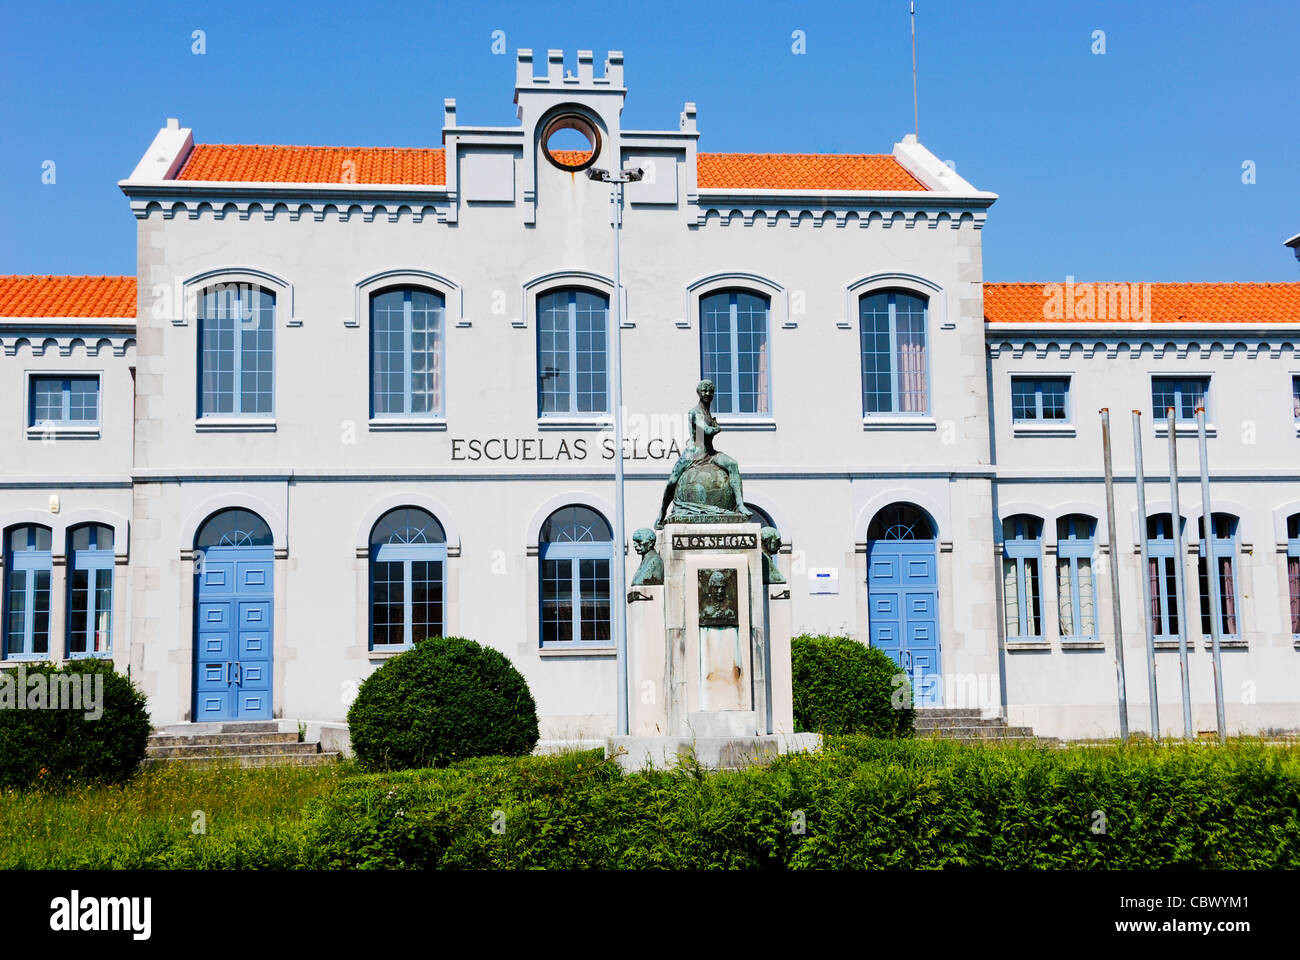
{"points": [[81, 723], [445, 699], [842, 686]]}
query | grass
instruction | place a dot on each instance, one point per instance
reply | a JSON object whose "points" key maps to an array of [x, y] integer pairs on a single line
{"points": [[246, 815]]}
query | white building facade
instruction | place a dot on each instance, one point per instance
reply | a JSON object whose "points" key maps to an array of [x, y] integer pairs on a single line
{"points": [[357, 396]]}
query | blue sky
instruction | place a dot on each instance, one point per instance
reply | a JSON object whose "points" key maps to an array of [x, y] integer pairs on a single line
{"points": [[1126, 165]]}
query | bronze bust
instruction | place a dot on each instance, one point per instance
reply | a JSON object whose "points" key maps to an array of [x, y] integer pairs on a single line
{"points": [[651, 571]]}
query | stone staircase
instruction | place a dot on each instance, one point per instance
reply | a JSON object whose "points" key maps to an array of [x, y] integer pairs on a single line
{"points": [[966, 725], [246, 744]]}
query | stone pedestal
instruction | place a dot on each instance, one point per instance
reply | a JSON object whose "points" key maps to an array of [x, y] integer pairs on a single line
{"points": [[709, 654]]}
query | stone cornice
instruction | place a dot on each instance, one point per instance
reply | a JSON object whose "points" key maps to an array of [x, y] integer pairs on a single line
{"points": [[901, 209], [41, 335], [219, 200], [1182, 342]]}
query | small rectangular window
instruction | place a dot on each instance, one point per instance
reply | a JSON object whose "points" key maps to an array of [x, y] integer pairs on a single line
{"points": [[1295, 398], [1184, 394], [64, 402], [1040, 400]]}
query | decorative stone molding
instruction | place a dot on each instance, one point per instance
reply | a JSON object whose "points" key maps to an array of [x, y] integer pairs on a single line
{"points": [[1040, 345], [825, 208], [295, 205], [65, 336]]}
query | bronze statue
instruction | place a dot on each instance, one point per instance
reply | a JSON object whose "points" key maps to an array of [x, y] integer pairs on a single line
{"points": [[651, 571], [705, 484], [771, 545]]}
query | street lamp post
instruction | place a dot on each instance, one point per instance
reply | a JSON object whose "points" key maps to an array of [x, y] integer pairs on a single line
{"points": [[618, 605]]}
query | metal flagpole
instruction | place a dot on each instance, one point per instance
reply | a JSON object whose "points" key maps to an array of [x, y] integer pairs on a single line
{"points": [[1139, 473], [1179, 559], [916, 113], [1211, 574], [618, 600], [1114, 575]]}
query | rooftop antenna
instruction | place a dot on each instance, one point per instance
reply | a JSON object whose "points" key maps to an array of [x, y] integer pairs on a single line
{"points": [[916, 115]]}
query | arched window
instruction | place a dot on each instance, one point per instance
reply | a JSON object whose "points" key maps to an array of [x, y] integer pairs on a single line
{"points": [[901, 521], [90, 591], [575, 555], [1293, 568], [572, 362], [1224, 549], [29, 564], [233, 528], [1166, 607], [734, 350], [1022, 551], [408, 554], [406, 325], [895, 367], [1075, 586], [236, 351]]}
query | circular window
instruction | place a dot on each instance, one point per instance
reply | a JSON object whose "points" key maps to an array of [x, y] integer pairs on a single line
{"points": [[571, 142]]}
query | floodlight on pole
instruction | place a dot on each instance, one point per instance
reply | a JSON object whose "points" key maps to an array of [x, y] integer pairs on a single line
{"points": [[618, 605]]}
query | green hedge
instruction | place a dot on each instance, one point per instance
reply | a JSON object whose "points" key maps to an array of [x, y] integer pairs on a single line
{"points": [[841, 687], [50, 747], [862, 803], [445, 699]]}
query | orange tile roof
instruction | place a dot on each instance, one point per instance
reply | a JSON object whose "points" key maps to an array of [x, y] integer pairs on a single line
{"points": [[428, 167], [804, 171], [46, 296], [265, 164], [1168, 303]]}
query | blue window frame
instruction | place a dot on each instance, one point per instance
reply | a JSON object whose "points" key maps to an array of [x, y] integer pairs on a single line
{"points": [[1022, 551], [895, 363], [734, 351], [233, 528], [1225, 553], [408, 556], [90, 591], [1293, 569], [1166, 608], [1076, 586], [406, 346], [1040, 400], [1184, 394], [29, 565], [64, 401], [575, 555], [572, 358], [1295, 398], [236, 351]]}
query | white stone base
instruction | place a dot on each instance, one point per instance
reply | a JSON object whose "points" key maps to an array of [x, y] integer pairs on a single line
{"points": [[634, 754]]}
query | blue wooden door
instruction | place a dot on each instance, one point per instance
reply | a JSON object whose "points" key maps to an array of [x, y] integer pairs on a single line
{"points": [[903, 585], [234, 602]]}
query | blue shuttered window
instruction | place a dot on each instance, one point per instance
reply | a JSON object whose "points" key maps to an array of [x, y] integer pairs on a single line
{"points": [[1161, 552], [1022, 551], [1224, 548], [236, 351], [408, 556], [1075, 584], [406, 344], [29, 563], [734, 351], [572, 360], [575, 555], [90, 591], [895, 364]]}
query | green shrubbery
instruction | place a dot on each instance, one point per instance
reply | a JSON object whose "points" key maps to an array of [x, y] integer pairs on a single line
{"points": [[841, 687], [58, 746], [862, 803], [445, 699]]}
